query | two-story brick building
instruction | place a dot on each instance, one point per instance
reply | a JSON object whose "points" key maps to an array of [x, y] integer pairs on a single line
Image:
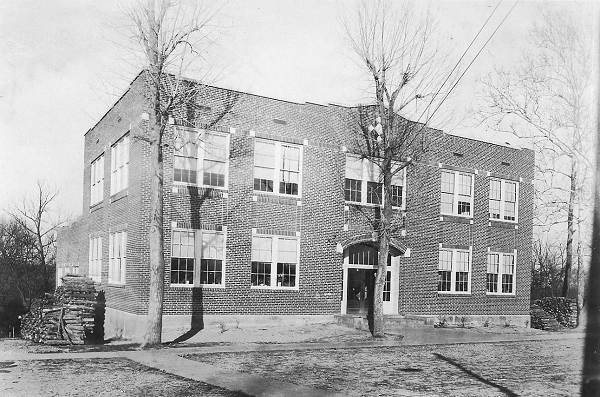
{"points": [[266, 216]]}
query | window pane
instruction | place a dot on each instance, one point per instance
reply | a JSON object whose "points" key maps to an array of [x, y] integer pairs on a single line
{"points": [[264, 154], [261, 249], [447, 182], [464, 184], [374, 192], [260, 274], [447, 203], [353, 168], [352, 190], [462, 261], [212, 245], [286, 274], [495, 189], [287, 250], [492, 282], [444, 280], [493, 264], [372, 171], [215, 147], [445, 262], [396, 196], [462, 282]]}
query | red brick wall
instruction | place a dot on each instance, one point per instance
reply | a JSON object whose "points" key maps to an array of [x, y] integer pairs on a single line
{"points": [[319, 219]]}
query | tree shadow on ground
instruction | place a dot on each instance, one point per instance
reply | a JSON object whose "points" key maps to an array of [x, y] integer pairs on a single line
{"points": [[480, 378], [197, 323]]}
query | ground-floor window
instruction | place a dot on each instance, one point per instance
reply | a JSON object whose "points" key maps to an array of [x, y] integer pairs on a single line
{"points": [[95, 259], [190, 248], [454, 270], [117, 257], [500, 273], [274, 261]]}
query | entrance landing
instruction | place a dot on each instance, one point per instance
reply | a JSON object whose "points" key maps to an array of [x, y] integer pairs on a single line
{"points": [[392, 323]]}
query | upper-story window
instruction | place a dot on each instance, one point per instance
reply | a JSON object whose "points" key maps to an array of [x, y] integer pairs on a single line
{"points": [[204, 155], [119, 165], [362, 183], [457, 193], [277, 162], [504, 200], [97, 180], [500, 273], [454, 269], [274, 262]]}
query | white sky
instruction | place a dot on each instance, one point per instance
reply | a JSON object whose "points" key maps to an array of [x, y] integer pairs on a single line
{"points": [[64, 63]]}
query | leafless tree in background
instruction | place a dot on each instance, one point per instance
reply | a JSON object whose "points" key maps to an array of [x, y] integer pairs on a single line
{"points": [[171, 38], [548, 100], [395, 45]]}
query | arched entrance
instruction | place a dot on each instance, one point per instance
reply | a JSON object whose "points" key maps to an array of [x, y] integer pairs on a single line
{"points": [[359, 270]]}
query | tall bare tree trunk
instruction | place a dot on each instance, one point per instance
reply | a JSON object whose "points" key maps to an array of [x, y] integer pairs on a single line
{"points": [[157, 260], [570, 229]]}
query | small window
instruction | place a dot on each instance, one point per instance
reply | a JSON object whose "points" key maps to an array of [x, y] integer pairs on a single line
{"points": [[117, 257], [214, 167], [211, 265], [274, 262], [503, 201], [95, 259], [500, 273], [97, 180], [264, 165], [454, 271], [119, 165], [182, 257], [456, 193]]}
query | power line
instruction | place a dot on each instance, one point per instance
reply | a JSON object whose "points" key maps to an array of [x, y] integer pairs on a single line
{"points": [[460, 59], [473, 60]]}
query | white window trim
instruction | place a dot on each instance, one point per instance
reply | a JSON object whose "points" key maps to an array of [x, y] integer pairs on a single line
{"points": [[456, 195], [453, 272], [200, 146], [500, 293], [198, 257], [97, 187], [116, 168], [502, 201], [274, 256], [363, 186], [277, 168], [111, 271], [95, 262]]}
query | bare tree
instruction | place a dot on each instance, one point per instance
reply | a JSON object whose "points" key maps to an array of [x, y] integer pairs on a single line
{"points": [[34, 216], [397, 49], [547, 100], [170, 38]]}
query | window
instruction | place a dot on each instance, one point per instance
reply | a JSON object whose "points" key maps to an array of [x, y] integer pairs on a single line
{"points": [[214, 165], [211, 264], [503, 200], [117, 257], [274, 262], [204, 156], [276, 161], [185, 167], [367, 256], [119, 165], [182, 257], [95, 259], [500, 273], [456, 193], [190, 248], [363, 185], [454, 268], [97, 180]]}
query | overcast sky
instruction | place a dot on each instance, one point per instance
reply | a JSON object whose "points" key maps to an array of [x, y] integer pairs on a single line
{"points": [[64, 63]]}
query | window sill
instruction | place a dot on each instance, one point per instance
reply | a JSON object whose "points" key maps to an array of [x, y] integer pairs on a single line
{"points": [[450, 293], [184, 184], [456, 218], [202, 286], [277, 194], [500, 294], [356, 203], [269, 288], [114, 284], [118, 195], [503, 222]]}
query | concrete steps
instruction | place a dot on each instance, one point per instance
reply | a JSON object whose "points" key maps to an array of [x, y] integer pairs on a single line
{"points": [[392, 322]]}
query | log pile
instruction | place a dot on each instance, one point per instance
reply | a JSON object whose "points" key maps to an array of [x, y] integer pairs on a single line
{"points": [[68, 318]]}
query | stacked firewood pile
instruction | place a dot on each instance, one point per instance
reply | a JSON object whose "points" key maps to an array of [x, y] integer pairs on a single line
{"points": [[70, 317]]}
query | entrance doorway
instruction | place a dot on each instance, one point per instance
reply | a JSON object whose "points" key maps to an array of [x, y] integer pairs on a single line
{"points": [[360, 264]]}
